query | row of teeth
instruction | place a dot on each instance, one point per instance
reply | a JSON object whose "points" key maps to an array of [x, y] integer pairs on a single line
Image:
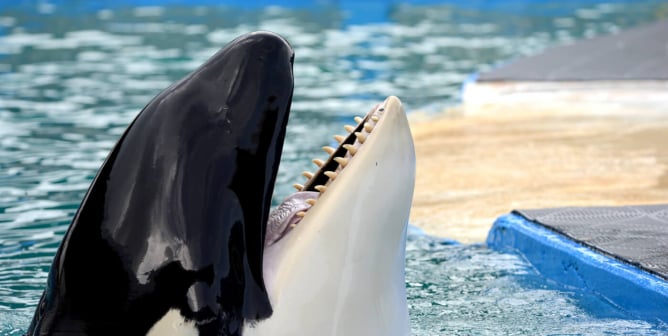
{"points": [[342, 161]]}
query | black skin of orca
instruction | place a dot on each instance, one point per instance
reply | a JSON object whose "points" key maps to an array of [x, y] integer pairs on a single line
{"points": [[176, 216]]}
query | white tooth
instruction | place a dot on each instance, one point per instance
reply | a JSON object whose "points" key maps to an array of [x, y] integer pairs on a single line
{"points": [[310, 201], [360, 137], [332, 175], [320, 188], [350, 148], [329, 150], [308, 175], [375, 118], [349, 128], [358, 119], [301, 214], [339, 138], [318, 162], [343, 162], [368, 127], [298, 186]]}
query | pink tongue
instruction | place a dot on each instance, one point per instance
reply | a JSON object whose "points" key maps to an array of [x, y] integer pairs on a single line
{"points": [[285, 215]]}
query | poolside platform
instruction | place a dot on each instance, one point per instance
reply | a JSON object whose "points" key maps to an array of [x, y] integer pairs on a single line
{"points": [[578, 136], [627, 67], [558, 135], [619, 254]]}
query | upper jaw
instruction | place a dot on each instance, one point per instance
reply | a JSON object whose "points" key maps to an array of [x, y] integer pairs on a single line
{"points": [[178, 209]]}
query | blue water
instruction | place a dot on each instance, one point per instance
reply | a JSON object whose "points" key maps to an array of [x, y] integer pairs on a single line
{"points": [[73, 74]]}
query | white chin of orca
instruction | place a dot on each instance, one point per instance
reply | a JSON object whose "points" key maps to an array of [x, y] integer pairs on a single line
{"points": [[334, 255]]}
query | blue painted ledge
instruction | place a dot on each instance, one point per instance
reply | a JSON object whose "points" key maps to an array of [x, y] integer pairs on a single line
{"points": [[556, 257]]}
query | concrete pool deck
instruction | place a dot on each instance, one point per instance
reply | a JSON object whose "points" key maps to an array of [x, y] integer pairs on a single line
{"points": [[577, 125], [476, 163], [577, 137]]}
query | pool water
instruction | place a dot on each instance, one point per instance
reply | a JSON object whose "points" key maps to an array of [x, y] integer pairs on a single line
{"points": [[72, 76]]}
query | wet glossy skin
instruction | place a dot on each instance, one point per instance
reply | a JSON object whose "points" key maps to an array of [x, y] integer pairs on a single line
{"points": [[176, 216]]}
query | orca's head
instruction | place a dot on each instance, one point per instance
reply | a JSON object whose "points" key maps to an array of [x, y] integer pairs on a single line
{"points": [[171, 232]]}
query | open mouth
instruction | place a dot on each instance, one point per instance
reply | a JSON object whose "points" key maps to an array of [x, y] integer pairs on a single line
{"points": [[295, 207]]}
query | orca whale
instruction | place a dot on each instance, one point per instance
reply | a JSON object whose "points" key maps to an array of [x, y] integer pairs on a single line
{"points": [[175, 235], [173, 225]]}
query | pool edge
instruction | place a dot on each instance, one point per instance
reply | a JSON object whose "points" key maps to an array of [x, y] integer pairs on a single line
{"points": [[635, 291]]}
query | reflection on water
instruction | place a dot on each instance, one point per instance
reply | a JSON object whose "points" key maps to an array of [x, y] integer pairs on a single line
{"points": [[72, 76]]}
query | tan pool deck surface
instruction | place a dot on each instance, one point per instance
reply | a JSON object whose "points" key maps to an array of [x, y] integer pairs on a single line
{"points": [[581, 124], [478, 162]]}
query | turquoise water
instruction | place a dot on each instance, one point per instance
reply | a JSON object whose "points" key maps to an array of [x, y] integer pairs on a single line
{"points": [[73, 76]]}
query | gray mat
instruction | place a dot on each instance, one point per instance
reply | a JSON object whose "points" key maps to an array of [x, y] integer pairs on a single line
{"points": [[636, 54], [634, 234]]}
